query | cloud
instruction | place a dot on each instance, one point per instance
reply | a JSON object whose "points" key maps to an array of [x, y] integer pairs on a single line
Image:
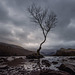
{"points": [[16, 27], [3, 13]]}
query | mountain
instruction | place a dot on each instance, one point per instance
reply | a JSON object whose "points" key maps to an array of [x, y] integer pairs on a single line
{"points": [[48, 52], [65, 52], [13, 50]]}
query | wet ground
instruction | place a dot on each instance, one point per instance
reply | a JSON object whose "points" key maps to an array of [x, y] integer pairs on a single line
{"points": [[22, 66]]}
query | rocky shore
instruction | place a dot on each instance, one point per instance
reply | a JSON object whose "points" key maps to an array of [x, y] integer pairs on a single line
{"points": [[21, 71], [23, 66]]}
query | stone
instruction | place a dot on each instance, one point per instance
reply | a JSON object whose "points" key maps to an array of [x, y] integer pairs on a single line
{"points": [[64, 60], [55, 62], [3, 59], [52, 72], [4, 67], [72, 58], [46, 63], [68, 68], [31, 60], [34, 56]]}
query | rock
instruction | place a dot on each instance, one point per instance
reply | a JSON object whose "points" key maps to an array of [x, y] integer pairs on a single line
{"points": [[55, 62], [4, 67], [72, 58], [3, 59], [31, 60], [64, 60], [52, 72], [16, 62], [34, 56], [10, 58], [35, 73], [68, 68], [46, 63]]}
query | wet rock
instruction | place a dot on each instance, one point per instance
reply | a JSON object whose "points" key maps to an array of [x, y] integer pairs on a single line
{"points": [[72, 58], [52, 72], [46, 63], [13, 71], [10, 58], [3, 60], [4, 67], [68, 68], [55, 62], [31, 60], [34, 56], [64, 59], [35, 73], [15, 62]]}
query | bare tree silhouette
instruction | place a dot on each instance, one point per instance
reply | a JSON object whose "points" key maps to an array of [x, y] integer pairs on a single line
{"points": [[44, 19]]}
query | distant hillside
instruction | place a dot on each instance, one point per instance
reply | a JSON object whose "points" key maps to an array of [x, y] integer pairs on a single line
{"points": [[12, 50], [65, 52], [48, 52]]}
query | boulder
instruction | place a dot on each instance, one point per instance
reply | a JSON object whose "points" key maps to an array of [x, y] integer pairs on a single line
{"points": [[64, 60], [55, 62], [46, 63], [72, 58], [35, 73], [31, 60], [34, 56], [15, 62], [3, 60], [4, 67], [52, 72], [68, 68]]}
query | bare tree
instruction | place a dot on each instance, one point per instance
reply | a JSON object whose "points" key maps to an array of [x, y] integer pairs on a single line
{"points": [[44, 19]]}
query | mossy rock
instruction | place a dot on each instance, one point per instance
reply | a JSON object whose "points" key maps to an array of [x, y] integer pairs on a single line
{"points": [[34, 56]]}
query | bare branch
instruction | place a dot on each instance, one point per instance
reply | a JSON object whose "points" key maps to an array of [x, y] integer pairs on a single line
{"points": [[45, 20]]}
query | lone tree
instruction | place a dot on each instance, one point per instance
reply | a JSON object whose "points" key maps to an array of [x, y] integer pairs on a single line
{"points": [[44, 19]]}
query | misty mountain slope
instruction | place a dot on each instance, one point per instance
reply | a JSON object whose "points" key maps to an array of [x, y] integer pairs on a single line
{"points": [[48, 52], [11, 50]]}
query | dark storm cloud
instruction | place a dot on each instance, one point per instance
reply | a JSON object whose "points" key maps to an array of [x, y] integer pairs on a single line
{"points": [[16, 28], [66, 13], [3, 14]]}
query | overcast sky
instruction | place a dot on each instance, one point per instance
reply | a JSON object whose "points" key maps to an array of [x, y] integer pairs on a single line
{"points": [[16, 27]]}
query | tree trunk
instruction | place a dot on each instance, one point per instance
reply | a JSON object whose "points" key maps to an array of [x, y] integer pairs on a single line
{"points": [[38, 51]]}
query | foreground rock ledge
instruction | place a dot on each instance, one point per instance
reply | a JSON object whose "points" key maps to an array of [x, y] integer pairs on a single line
{"points": [[68, 68], [52, 72]]}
